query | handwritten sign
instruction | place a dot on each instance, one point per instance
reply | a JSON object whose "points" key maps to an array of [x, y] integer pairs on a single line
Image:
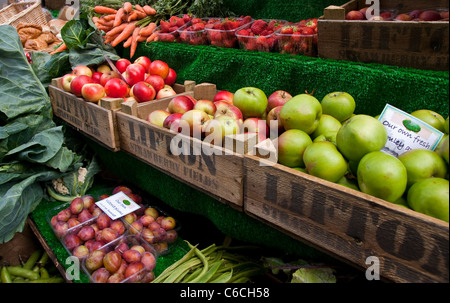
{"points": [[406, 132], [117, 206]]}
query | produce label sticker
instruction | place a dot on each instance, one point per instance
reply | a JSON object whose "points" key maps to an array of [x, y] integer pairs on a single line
{"points": [[117, 206], [406, 132]]}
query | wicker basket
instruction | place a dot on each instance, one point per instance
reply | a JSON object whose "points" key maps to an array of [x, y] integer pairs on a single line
{"points": [[23, 12]]}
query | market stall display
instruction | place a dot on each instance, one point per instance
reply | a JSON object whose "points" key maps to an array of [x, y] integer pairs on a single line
{"points": [[299, 151]]}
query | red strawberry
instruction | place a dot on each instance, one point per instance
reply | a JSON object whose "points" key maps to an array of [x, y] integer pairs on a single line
{"points": [[196, 20], [244, 20], [262, 43], [198, 27], [186, 18], [173, 28], [164, 26], [287, 30], [243, 32], [173, 20], [258, 27], [180, 22]]}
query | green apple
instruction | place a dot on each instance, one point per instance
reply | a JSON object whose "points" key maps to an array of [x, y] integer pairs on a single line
{"points": [[216, 129], [340, 105], [442, 150], [251, 101], [328, 136], [382, 175], [327, 123], [360, 135], [402, 202], [422, 164], [430, 117], [431, 197], [323, 160], [291, 146], [303, 170], [347, 182], [301, 112]]}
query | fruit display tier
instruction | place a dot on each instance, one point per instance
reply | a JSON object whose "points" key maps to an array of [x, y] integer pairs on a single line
{"points": [[372, 85]]}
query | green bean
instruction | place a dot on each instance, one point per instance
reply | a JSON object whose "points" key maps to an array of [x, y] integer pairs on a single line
{"points": [[48, 280], [169, 269], [213, 269], [32, 259], [23, 272], [5, 276], [178, 271], [44, 259], [194, 274], [44, 273], [222, 278], [181, 277], [202, 257], [246, 273]]}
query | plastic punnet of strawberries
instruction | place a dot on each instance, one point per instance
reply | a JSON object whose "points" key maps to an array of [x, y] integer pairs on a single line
{"points": [[168, 30], [298, 39], [259, 35], [195, 33], [222, 33]]}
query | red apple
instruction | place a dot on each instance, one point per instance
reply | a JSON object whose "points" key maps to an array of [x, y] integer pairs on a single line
{"points": [[172, 122], [207, 106], [274, 123], [143, 91], [96, 77], [144, 61], [105, 77], [66, 80], [192, 123], [180, 104], [444, 15], [355, 15], [192, 99], [159, 67], [227, 109], [103, 68], [415, 13], [92, 92], [171, 77], [224, 96], [430, 15], [156, 81], [82, 70], [277, 98], [255, 125], [386, 15], [157, 117], [167, 91], [77, 84], [403, 17], [134, 74], [122, 64], [116, 88]]}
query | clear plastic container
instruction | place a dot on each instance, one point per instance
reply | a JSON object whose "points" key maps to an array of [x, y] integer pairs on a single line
{"points": [[128, 259], [170, 34], [264, 41], [196, 34], [226, 37], [296, 43], [148, 223]]}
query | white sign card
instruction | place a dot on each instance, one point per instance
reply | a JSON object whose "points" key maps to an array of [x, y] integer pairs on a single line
{"points": [[406, 132], [117, 206]]}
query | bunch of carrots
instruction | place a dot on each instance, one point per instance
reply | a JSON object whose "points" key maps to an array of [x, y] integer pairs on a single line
{"points": [[130, 24]]}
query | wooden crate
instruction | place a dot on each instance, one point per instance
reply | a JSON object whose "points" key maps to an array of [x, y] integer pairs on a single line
{"points": [[219, 174], [96, 121], [422, 45], [347, 224]]}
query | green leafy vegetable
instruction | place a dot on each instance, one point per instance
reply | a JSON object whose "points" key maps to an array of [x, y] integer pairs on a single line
{"points": [[314, 275], [33, 149]]}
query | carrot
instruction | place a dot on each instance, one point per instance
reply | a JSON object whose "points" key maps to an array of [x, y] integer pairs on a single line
{"points": [[104, 28], [142, 38], [148, 30], [110, 38], [103, 22], [140, 15], [95, 19], [152, 37], [127, 7], [134, 41], [139, 8], [117, 29], [60, 48], [128, 42], [133, 16], [118, 17], [100, 9], [149, 10], [109, 17], [127, 32]]}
